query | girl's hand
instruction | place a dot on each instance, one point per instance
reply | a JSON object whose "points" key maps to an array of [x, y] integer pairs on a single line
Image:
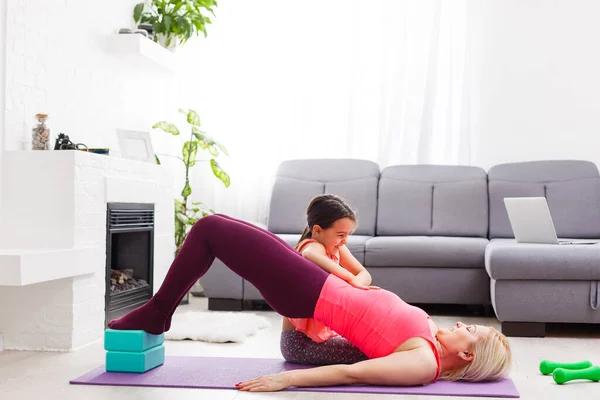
{"points": [[268, 383], [356, 282]]}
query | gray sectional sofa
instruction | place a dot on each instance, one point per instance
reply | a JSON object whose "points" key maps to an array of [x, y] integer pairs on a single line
{"points": [[535, 284], [437, 234]]}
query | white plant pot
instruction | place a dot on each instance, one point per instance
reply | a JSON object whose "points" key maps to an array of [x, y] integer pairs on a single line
{"points": [[163, 39]]}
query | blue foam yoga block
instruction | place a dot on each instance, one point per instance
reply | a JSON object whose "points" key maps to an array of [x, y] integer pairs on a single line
{"points": [[138, 362], [134, 340]]}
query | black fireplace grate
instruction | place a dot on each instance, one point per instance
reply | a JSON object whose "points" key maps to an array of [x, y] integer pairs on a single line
{"points": [[130, 219]]}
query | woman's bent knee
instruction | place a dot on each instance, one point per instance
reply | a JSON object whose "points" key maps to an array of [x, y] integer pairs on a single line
{"points": [[209, 223]]}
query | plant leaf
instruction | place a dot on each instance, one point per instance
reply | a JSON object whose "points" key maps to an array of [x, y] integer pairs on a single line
{"points": [[198, 24], [200, 140], [183, 218], [178, 6], [187, 29], [179, 26], [157, 159], [213, 150], [167, 127], [210, 145], [187, 190], [137, 12], [147, 18], [200, 136], [157, 28], [193, 118], [167, 21], [179, 228], [223, 149], [189, 150], [179, 206], [195, 131], [219, 173], [206, 142]]}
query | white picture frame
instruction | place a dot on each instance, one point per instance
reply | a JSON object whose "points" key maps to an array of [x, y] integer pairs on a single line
{"points": [[136, 145]]}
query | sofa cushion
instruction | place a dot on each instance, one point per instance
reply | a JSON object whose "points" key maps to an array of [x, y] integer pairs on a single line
{"points": [[435, 285], [505, 259], [571, 187], [575, 207], [356, 244], [298, 181], [289, 198], [434, 200], [425, 251]]}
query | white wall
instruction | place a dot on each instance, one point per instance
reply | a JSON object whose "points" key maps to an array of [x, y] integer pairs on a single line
{"points": [[2, 82], [57, 62], [536, 79], [2, 97], [2, 73]]}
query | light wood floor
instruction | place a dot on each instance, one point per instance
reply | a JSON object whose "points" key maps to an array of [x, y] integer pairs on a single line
{"points": [[45, 376]]}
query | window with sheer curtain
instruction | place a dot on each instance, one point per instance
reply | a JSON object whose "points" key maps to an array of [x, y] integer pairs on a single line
{"points": [[382, 80]]}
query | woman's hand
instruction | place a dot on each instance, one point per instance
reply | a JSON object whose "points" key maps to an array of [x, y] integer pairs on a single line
{"points": [[268, 383]]}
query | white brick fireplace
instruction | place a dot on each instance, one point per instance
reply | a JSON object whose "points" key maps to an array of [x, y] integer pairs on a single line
{"points": [[53, 241]]}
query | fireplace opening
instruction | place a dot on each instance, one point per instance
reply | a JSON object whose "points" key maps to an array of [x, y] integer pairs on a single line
{"points": [[129, 257]]}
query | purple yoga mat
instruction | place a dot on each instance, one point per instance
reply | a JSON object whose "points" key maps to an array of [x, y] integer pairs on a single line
{"points": [[225, 372]]}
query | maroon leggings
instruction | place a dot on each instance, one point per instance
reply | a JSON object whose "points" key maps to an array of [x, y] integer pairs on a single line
{"points": [[289, 283]]}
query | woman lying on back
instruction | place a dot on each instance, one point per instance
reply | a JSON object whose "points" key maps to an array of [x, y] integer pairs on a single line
{"points": [[404, 346]]}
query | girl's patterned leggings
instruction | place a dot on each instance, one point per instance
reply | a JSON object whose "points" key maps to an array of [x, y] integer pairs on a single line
{"points": [[298, 348]]}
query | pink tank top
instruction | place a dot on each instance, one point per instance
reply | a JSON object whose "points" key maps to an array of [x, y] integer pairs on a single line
{"points": [[311, 328], [375, 321]]}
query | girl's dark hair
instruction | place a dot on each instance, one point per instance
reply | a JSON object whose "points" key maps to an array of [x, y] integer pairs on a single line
{"points": [[324, 210]]}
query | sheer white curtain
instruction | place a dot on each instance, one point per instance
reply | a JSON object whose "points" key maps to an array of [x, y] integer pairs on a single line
{"points": [[382, 80]]}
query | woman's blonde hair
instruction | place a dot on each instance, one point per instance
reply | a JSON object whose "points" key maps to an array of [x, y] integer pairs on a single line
{"points": [[492, 360]]}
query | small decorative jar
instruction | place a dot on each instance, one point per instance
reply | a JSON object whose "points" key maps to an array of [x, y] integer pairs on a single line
{"points": [[40, 136]]}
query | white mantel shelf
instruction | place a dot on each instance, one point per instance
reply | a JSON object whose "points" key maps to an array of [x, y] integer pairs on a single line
{"points": [[25, 267], [141, 52]]}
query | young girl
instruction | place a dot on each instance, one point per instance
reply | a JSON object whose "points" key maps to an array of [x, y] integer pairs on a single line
{"points": [[329, 223]]}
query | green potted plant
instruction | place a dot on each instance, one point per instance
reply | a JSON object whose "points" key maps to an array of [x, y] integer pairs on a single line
{"points": [[174, 22], [188, 212]]}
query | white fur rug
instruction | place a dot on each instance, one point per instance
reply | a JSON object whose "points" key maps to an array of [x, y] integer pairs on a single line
{"points": [[215, 326]]}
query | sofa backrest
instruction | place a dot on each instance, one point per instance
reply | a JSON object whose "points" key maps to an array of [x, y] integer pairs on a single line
{"points": [[571, 188], [433, 200], [298, 181]]}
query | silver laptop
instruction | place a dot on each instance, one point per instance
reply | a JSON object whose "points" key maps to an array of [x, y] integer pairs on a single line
{"points": [[531, 221]]}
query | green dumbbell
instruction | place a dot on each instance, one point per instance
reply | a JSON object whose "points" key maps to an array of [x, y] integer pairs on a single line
{"points": [[548, 367], [561, 376]]}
